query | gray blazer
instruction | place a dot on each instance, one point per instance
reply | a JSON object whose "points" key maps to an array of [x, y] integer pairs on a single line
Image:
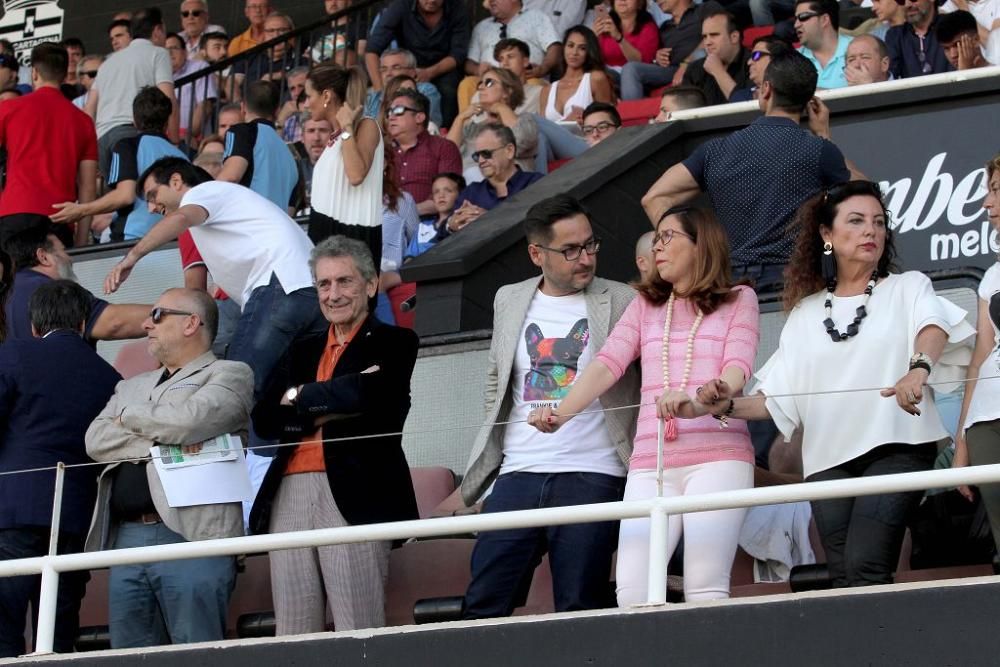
{"points": [[606, 302], [205, 398]]}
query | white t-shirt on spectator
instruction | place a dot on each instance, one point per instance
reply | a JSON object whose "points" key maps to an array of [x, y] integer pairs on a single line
{"points": [[839, 427], [552, 352], [122, 76], [246, 238], [530, 26], [564, 13], [985, 404]]}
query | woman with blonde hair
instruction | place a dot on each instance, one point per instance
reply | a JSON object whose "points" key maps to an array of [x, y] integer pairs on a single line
{"points": [[689, 326], [346, 192]]}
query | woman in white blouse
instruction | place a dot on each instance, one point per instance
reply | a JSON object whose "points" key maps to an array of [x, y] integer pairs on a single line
{"points": [[346, 195], [853, 324], [980, 419]]}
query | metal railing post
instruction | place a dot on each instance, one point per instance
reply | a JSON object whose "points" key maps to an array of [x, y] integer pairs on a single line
{"points": [[659, 528], [57, 495], [45, 632]]}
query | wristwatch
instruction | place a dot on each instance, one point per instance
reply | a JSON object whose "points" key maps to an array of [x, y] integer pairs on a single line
{"points": [[921, 360], [292, 395], [345, 135]]}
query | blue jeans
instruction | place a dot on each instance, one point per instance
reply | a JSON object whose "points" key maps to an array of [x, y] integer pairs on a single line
{"points": [[639, 77], [171, 602], [503, 561], [270, 323], [229, 315], [765, 277], [559, 143], [16, 593]]}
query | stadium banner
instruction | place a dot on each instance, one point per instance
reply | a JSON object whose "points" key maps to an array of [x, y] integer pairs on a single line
{"points": [[28, 23], [931, 167]]}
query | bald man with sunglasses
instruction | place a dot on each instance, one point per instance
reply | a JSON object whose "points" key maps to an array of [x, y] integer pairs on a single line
{"points": [[193, 398]]}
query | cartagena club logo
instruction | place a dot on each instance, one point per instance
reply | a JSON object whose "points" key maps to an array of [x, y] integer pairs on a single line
{"points": [[28, 23]]}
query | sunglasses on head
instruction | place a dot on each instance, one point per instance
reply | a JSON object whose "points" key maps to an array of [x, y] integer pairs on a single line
{"points": [[158, 313], [192, 12], [757, 55], [400, 109], [486, 153]]}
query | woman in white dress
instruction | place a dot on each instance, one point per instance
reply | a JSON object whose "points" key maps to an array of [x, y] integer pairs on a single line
{"points": [[346, 192], [853, 324]]}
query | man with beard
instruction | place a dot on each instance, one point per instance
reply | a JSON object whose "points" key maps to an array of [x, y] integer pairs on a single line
{"points": [[40, 256], [914, 49]]}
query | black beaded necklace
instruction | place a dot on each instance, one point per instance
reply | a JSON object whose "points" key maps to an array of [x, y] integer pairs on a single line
{"points": [[862, 311]]}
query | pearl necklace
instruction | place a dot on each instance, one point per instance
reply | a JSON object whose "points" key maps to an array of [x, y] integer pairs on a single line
{"points": [[670, 429], [860, 314]]}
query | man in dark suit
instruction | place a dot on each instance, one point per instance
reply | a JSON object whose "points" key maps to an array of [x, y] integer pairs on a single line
{"points": [[353, 380], [51, 388]]}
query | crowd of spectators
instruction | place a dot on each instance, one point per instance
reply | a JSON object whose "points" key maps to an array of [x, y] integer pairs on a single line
{"points": [[391, 136]]}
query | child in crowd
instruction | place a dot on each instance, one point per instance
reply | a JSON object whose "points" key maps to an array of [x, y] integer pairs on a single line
{"points": [[444, 192]]}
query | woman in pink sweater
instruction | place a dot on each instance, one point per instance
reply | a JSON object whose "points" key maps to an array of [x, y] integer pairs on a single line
{"points": [[713, 332]]}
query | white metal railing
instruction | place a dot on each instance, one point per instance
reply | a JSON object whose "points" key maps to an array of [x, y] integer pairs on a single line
{"points": [[658, 509]]}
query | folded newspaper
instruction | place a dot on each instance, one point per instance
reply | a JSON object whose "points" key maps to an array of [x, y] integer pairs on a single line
{"points": [[225, 447]]}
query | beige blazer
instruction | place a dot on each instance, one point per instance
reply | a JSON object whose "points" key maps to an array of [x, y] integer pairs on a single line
{"points": [[606, 302], [205, 398]]}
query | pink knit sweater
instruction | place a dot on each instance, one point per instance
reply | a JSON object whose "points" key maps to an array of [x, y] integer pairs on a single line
{"points": [[726, 338]]}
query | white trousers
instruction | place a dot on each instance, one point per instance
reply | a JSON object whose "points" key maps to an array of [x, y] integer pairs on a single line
{"points": [[710, 538]]}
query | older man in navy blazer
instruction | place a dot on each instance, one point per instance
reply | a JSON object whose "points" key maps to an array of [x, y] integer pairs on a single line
{"points": [[51, 388]]}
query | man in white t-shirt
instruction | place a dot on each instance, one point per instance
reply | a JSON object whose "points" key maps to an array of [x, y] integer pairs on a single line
{"points": [[510, 19], [254, 251], [546, 330]]}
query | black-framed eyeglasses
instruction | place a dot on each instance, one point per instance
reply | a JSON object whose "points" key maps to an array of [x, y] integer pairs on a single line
{"points": [[667, 235], [603, 126], [192, 12], [92, 73], [158, 313], [573, 252], [487, 83], [400, 109], [757, 55], [486, 153], [805, 16]]}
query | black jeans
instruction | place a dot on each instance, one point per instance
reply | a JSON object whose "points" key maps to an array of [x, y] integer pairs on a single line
{"points": [[862, 536], [17, 592]]}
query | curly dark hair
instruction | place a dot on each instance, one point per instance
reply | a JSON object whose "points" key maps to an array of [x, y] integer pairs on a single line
{"points": [[803, 275], [712, 282]]}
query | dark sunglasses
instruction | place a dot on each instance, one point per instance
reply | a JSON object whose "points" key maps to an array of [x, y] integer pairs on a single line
{"points": [[157, 314], [92, 73], [757, 55], [192, 12], [486, 153], [901, 3], [805, 16], [487, 83], [400, 109]]}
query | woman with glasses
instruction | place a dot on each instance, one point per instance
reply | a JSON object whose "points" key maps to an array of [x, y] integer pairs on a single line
{"points": [[978, 441], [500, 93], [853, 324], [689, 326], [346, 195]]}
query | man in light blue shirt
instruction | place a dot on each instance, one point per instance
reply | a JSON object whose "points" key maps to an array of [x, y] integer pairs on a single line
{"points": [[816, 24]]}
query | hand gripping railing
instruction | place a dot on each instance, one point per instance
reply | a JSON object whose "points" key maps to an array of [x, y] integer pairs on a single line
{"points": [[658, 509]]}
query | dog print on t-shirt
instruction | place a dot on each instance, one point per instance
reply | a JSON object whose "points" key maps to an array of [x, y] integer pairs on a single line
{"points": [[554, 361]]}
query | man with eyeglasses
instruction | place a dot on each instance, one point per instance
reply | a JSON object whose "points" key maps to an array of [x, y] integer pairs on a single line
{"points": [[271, 64], [914, 49], [600, 121], [256, 12], [194, 20], [194, 398], [495, 148], [546, 330], [45, 167], [816, 25], [400, 62], [419, 155]]}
